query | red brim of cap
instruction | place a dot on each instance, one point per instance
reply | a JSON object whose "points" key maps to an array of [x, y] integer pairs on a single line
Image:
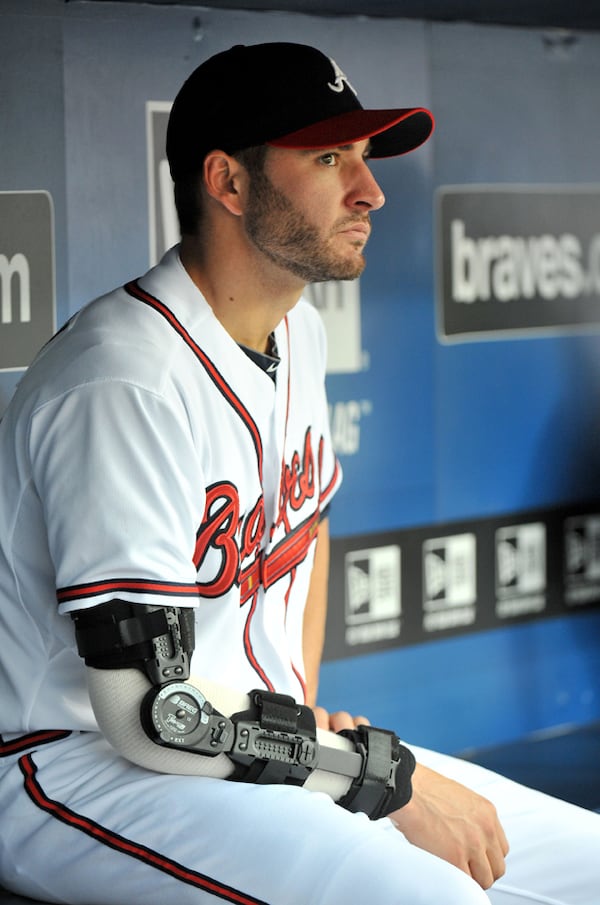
{"points": [[392, 132]]}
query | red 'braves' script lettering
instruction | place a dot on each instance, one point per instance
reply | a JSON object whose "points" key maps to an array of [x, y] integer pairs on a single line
{"points": [[217, 532], [297, 482], [233, 539], [252, 532], [229, 547]]}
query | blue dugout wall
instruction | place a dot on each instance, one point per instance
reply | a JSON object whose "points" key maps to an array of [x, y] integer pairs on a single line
{"points": [[464, 368]]}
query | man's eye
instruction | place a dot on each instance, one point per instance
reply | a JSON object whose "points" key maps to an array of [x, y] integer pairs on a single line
{"points": [[329, 159]]}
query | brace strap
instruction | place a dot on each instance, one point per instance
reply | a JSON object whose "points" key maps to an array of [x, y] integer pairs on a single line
{"points": [[385, 781], [275, 740], [158, 640]]}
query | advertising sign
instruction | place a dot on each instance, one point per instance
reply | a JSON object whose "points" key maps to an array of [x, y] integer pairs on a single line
{"points": [[27, 294], [517, 260]]}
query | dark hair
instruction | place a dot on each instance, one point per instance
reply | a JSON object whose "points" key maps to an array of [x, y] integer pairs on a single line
{"points": [[188, 190]]}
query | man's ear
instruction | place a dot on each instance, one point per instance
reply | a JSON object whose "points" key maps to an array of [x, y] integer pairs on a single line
{"points": [[224, 180]]}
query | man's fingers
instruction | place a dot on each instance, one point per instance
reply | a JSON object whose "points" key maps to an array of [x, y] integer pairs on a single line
{"points": [[321, 717], [497, 863], [482, 873], [339, 720], [505, 847]]}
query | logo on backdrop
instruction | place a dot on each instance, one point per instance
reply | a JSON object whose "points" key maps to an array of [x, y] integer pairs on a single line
{"points": [[449, 582], [582, 560], [27, 294], [474, 576], [520, 570], [372, 595], [346, 419], [338, 302], [516, 260]]}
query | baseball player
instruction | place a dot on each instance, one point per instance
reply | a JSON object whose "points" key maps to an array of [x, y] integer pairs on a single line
{"points": [[166, 471]]}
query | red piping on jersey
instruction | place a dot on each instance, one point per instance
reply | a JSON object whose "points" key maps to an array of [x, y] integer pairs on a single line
{"points": [[301, 682], [135, 290], [126, 846], [31, 740], [299, 676], [114, 586], [249, 649]]}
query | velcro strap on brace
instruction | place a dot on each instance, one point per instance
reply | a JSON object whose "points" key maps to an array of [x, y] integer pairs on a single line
{"points": [[384, 784], [275, 740], [119, 634]]}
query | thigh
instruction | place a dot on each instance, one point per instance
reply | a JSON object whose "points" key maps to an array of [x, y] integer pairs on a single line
{"points": [[554, 845], [81, 825]]}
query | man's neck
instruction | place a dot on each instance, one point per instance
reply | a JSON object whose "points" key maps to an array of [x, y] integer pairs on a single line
{"points": [[248, 296]]}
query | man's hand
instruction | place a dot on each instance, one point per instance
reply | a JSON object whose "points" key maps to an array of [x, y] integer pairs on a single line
{"points": [[335, 722], [443, 817], [447, 819]]}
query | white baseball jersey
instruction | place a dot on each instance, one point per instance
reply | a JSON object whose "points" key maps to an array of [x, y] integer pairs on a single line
{"points": [[145, 457]]}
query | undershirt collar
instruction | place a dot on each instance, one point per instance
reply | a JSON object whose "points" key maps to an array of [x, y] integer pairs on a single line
{"points": [[267, 361]]}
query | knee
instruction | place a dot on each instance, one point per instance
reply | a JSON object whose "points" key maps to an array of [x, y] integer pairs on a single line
{"points": [[459, 889], [442, 883]]}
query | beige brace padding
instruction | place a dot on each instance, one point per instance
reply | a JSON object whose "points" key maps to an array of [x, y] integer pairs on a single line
{"points": [[116, 695]]}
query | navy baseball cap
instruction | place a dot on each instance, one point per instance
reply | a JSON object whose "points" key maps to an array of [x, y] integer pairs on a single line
{"points": [[282, 94]]}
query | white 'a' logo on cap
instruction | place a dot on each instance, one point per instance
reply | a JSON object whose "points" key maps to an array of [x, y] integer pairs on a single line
{"points": [[340, 77]]}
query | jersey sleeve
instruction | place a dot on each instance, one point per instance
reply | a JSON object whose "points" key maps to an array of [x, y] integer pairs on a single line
{"points": [[123, 493]]}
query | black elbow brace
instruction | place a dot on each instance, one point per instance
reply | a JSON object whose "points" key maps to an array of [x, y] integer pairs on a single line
{"points": [[273, 741]]}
